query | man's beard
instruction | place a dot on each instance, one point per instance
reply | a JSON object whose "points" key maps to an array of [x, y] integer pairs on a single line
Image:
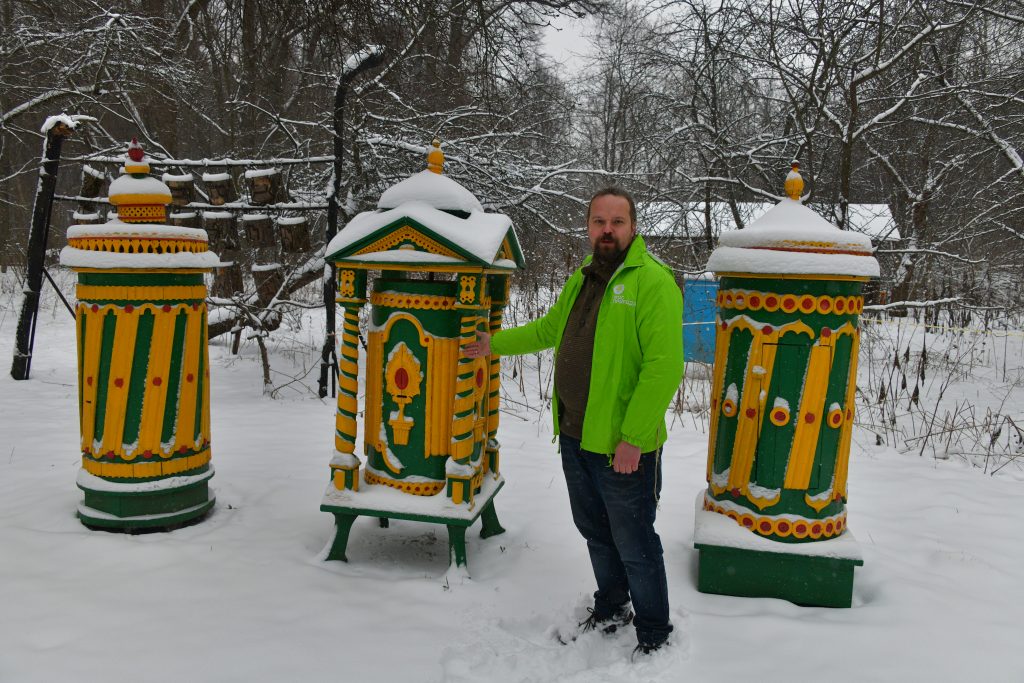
{"points": [[608, 252]]}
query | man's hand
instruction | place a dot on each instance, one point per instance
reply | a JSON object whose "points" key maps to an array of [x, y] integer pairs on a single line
{"points": [[481, 347], [627, 458]]}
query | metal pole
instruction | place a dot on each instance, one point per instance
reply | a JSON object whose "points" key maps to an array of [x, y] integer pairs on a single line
{"points": [[328, 357], [38, 237]]}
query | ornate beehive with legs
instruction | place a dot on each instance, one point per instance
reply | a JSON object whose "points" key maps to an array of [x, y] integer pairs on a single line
{"points": [[431, 415]]}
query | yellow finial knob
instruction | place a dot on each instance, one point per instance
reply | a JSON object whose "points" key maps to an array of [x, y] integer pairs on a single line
{"points": [[435, 158], [794, 182]]}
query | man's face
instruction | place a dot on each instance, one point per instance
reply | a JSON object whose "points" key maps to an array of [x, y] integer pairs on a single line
{"points": [[609, 227]]}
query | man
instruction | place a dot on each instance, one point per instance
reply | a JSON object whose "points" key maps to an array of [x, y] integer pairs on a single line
{"points": [[617, 333]]}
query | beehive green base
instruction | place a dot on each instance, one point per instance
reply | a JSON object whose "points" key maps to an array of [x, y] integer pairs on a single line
{"points": [[800, 579], [91, 517], [345, 516]]}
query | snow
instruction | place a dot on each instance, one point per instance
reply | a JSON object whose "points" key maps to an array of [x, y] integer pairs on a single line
{"points": [[255, 217], [95, 173], [790, 221], [434, 189], [127, 184], [95, 483], [764, 261], [480, 234], [119, 229], [264, 267], [244, 596], [69, 121], [177, 177], [216, 215], [261, 172], [215, 177], [404, 256], [291, 220], [75, 215], [71, 257]]}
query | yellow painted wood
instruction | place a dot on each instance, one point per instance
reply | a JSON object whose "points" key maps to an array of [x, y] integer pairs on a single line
{"points": [[722, 338], [119, 380], [145, 469], [843, 457], [762, 354], [442, 358], [155, 398], [90, 370], [374, 388], [812, 402], [188, 391]]}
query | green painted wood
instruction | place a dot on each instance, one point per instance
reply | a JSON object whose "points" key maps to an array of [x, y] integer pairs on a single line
{"points": [[140, 279], [166, 523], [800, 579], [137, 382], [103, 373], [174, 377]]}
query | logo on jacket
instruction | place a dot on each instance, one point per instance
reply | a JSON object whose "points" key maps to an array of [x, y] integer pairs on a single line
{"points": [[617, 290]]}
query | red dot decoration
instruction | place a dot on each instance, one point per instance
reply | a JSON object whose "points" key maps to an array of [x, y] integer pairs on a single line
{"points": [[766, 527], [183, 449], [750, 412], [88, 380], [401, 378], [783, 527], [826, 332], [129, 308], [767, 329], [771, 302], [724, 325], [195, 306], [110, 455], [825, 305], [748, 522], [789, 304], [190, 377], [479, 377], [157, 381], [800, 528], [809, 418], [118, 382], [829, 528], [147, 455], [780, 416], [735, 493], [840, 304], [755, 301], [95, 308], [166, 308], [816, 529]]}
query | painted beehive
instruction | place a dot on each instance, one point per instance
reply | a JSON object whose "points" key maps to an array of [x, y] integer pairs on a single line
{"points": [[785, 371], [142, 360], [431, 414]]}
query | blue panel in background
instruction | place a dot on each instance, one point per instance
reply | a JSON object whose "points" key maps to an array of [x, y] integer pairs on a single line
{"points": [[699, 310]]}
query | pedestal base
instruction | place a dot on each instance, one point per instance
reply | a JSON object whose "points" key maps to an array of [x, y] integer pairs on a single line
{"points": [[161, 503], [735, 561], [387, 503]]}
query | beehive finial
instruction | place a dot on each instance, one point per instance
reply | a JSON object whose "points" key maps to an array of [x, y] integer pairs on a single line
{"points": [[435, 158], [794, 185]]}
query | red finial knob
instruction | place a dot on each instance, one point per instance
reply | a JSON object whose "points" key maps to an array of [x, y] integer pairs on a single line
{"points": [[135, 151]]}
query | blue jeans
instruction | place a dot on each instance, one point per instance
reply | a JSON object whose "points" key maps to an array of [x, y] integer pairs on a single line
{"points": [[615, 514]]}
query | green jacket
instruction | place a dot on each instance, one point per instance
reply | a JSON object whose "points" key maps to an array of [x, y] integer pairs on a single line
{"points": [[638, 351]]}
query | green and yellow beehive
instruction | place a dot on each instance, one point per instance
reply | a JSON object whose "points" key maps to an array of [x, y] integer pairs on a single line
{"points": [[431, 414], [143, 371], [772, 521]]}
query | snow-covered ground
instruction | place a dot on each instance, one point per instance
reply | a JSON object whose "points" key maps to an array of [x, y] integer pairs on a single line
{"points": [[243, 596]]}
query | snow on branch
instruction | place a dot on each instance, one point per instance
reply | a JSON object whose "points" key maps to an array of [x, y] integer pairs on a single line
{"points": [[932, 252], [913, 304]]}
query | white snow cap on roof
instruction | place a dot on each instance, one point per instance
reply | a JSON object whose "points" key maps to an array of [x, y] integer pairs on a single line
{"points": [[790, 238], [435, 190], [126, 184], [480, 234]]}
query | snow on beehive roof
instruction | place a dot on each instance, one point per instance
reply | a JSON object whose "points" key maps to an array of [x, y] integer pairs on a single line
{"points": [[433, 189], [480, 233], [790, 238]]}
